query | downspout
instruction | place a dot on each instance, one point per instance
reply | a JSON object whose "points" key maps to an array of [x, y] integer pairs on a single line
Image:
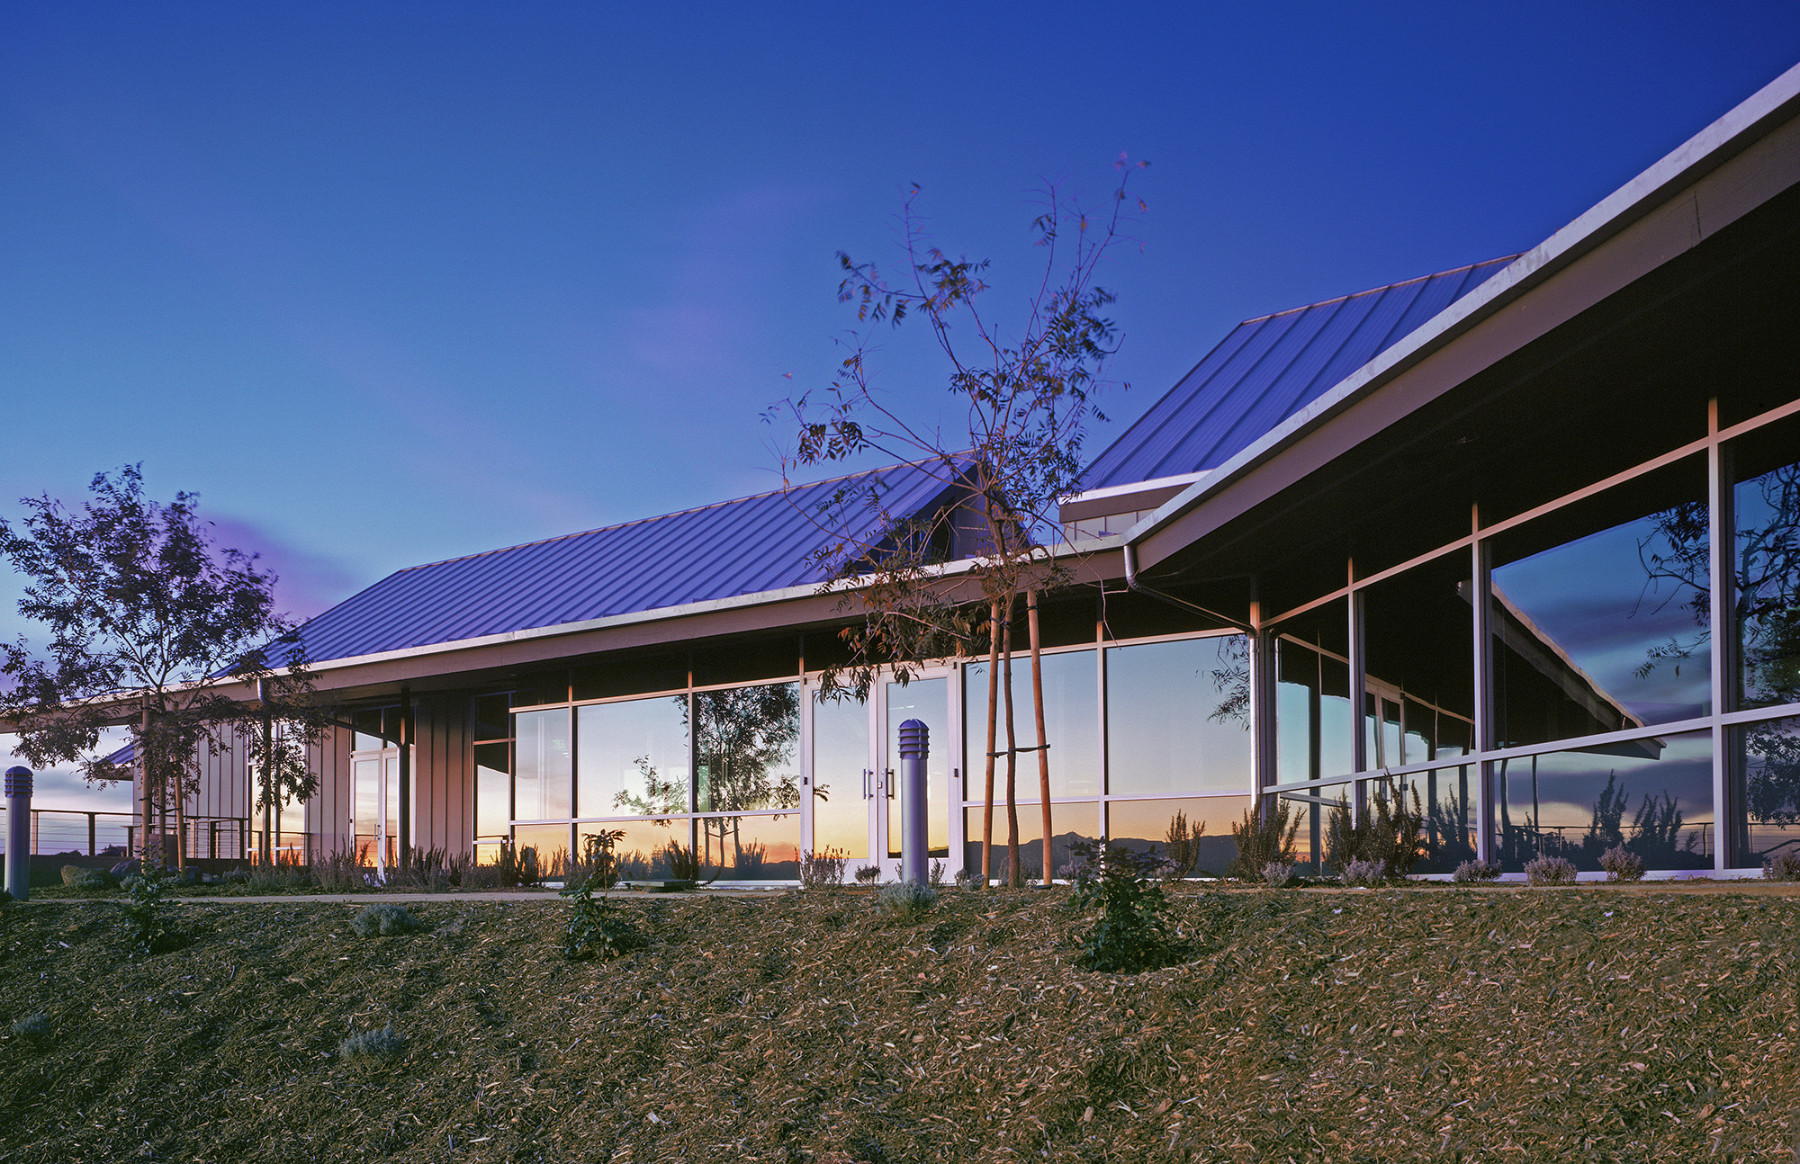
{"points": [[1137, 586]]}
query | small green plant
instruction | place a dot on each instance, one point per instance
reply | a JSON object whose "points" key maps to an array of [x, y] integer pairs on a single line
{"points": [[1364, 873], [1621, 864], [149, 921], [1265, 834], [1550, 871], [1277, 873], [35, 1031], [823, 870], [904, 901], [1131, 932], [384, 919], [935, 878], [1784, 866], [383, 1046], [597, 928], [598, 865], [1474, 871]]}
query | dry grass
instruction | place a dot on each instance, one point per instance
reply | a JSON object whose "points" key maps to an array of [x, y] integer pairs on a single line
{"points": [[1392, 1025]]}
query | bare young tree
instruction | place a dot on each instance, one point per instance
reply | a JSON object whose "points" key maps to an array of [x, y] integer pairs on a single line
{"points": [[154, 627], [1028, 395]]}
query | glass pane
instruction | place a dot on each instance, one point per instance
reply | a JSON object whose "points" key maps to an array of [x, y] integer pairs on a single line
{"points": [[1144, 825], [551, 843], [640, 852], [1600, 613], [491, 719], [1653, 795], [1767, 559], [839, 767], [1177, 716], [1767, 772], [638, 675], [365, 784], [746, 745], [493, 790], [633, 757], [751, 848], [1071, 720], [1069, 822], [925, 700], [541, 779], [1418, 636], [1446, 796]]}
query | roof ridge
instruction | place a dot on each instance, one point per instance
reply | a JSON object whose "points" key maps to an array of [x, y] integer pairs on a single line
{"points": [[617, 525], [1379, 290]]}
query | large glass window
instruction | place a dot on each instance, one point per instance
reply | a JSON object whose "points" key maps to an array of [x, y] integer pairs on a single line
{"points": [[1653, 795], [1313, 712], [633, 757], [751, 848], [746, 742], [1070, 823], [1766, 556], [1419, 652], [1150, 826], [1766, 772], [493, 791], [541, 780], [1071, 721], [1178, 717], [1600, 612]]}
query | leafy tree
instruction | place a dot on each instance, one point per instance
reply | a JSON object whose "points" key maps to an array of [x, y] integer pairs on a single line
{"points": [[1027, 396], [153, 626]]}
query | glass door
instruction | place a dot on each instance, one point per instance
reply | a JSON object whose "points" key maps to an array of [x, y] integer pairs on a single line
{"points": [[927, 699], [842, 783], [375, 800]]}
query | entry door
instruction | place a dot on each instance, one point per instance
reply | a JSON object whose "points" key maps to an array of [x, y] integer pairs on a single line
{"points": [[853, 778], [375, 778]]}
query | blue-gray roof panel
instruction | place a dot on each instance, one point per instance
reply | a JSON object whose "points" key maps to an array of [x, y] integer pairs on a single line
{"points": [[1269, 368], [747, 546]]}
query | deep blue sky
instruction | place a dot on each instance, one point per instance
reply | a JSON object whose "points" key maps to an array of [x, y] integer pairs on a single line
{"points": [[388, 283]]}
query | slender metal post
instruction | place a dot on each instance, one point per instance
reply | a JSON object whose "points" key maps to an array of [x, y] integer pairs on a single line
{"points": [[915, 746], [1480, 585], [406, 734], [1732, 842], [18, 832]]}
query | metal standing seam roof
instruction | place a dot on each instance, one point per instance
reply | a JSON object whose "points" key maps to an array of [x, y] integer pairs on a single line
{"points": [[1269, 368], [746, 546]]}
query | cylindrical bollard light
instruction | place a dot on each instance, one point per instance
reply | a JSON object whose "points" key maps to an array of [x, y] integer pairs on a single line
{"points": [[915, 746], [18, 832]]}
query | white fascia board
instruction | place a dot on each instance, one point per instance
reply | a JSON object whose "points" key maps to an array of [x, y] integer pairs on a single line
{"points": [[1129, 488], [1688, 162]]}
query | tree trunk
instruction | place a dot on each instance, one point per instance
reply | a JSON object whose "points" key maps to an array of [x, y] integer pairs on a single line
{"points": [[1037, 707], [1015, 876], [993, 704]]}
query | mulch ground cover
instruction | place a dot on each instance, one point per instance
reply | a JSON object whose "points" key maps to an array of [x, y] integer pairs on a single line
{"points": [[1540, 1025]]}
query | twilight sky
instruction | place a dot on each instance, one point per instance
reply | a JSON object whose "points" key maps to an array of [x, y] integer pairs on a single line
{"points": [[391, 282]]}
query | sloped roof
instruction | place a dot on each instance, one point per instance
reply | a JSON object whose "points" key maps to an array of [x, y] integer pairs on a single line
{"points": [[1269, 368], [747, 546]]}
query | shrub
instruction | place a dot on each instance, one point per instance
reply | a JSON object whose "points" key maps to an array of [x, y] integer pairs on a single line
{"points": [[1390, 832], [684, 864], [1277, 873], [519, 866], [597, 927], [936, 875], [384, 919], [1181, 846], [1265, 834], [1621, 864], [1131, 932], [868, 874], [1368, 873], [1473, 871], [904, 901], [85, 879], [970, 879], [1782, 867], [822, 870], [35, 1031], [338, 872], [1550, 871], [149, 924], [383, 1046], [274, 878]]}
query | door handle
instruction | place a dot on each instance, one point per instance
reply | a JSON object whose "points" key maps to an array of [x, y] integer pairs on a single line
{"points": [[890, 784], [866, 774]]}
